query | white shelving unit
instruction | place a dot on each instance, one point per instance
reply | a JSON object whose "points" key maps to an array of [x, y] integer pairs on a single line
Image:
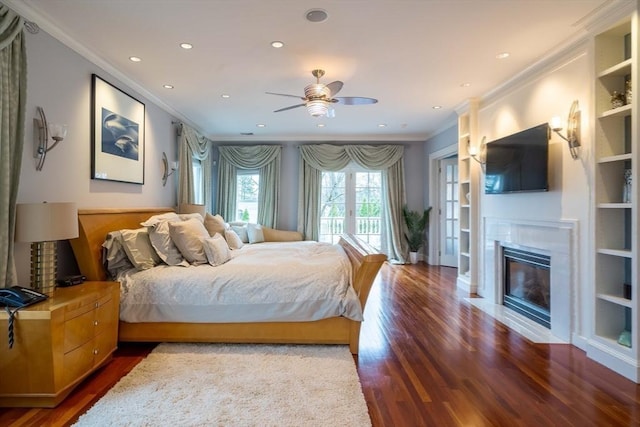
{"points": [[615, 257], [468, 198]]}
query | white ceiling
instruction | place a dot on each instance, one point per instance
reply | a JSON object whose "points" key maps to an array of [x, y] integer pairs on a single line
{"points": [[409, 54]]}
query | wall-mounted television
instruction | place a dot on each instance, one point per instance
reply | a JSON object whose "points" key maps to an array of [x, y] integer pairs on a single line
{"points": [[518, 162]]}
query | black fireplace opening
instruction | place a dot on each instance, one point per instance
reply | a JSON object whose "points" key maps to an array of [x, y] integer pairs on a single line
{"points": [[527, 278]]}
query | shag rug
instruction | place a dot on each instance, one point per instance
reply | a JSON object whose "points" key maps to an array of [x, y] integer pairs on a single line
{"points": [[236, 385]]}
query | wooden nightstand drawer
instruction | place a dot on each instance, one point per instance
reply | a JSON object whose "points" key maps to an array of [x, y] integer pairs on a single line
{"points": [[78, 331], [77, 362]]}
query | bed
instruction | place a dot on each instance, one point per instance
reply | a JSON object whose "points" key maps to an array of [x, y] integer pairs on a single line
{"points": [[364, 263]]}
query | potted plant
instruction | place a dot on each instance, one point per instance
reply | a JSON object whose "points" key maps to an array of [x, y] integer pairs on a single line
{"points": [[416, 223]]}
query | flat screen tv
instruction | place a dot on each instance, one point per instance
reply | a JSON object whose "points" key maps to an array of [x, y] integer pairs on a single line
{"points": [[519, 162]]}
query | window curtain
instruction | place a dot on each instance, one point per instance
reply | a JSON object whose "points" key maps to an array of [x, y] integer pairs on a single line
{"points": [[13, 95], [192, 146], [314, 159], [266, 159]]}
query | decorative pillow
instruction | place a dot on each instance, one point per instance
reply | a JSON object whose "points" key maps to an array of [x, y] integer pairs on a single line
{"points": [[163, 245], [196, 215], [255, 234], [158, 218], [214, 224], [241, 231], [216, 249], [114, 257], [233, 240], [138, 248], [187, 236]]}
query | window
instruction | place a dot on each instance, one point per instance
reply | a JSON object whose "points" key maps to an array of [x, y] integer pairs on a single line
{"points": [[247, 185], [351, 202], [198, 182]]}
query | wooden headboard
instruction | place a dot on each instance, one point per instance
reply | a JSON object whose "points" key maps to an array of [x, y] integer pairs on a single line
{"points": [[93, 226]]}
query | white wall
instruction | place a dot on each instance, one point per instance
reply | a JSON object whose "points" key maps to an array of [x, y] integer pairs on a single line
{"points": [[533, 102], [59, 80]]}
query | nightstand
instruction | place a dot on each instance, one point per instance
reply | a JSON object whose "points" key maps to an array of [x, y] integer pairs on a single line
{"points": [[58, 343]]}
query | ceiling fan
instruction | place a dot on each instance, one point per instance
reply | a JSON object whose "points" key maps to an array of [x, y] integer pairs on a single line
{"points": [[318, 97]]}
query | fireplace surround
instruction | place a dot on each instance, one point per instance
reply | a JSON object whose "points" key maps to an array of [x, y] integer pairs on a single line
{"points": [[554, 239]]}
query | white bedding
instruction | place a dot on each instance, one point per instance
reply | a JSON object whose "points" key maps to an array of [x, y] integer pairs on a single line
{"points": [[284, 281]]}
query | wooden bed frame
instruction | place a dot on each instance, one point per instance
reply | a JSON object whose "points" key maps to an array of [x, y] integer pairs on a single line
{"points": [[94, 224]]}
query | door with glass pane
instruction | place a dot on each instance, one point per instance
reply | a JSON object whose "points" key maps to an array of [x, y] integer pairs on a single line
{"points": [[449, 212], [351, 202]]}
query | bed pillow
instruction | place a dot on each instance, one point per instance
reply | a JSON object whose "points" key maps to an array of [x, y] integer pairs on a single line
{"points": [[187, 236], [114, 257], [241, 231], [187, 216], [232, 239], [158, 218], [216, 249], [254, 233], [214, 224], [138, 248], [163, 244]]}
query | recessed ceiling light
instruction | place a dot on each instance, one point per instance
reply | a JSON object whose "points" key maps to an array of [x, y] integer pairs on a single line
{"points": [[167, 86], [465, 84], [321, 125], [277, 44], [261, 125], [437, 107], [382, 125], [134, 59], [225, 96], [186, 45], [316, 15], [502, 55]]}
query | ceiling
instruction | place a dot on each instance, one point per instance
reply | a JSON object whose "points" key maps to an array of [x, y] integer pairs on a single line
{"points": [[411, 55]]}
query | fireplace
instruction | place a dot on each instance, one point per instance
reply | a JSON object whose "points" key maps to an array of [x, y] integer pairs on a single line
{"points": [[526, 282]]}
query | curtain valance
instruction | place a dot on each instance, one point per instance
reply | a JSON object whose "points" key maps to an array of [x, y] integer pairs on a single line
{"points": [[336, 157], [250, 156]]}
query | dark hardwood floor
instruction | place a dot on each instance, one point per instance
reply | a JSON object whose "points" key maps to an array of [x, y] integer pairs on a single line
{"points": [[428, 358]]}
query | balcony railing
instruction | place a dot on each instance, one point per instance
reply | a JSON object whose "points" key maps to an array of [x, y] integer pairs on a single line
{"points": [[368, 228]]}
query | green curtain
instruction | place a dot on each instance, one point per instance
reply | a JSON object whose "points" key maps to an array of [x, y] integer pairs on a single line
{"points": [[192, 146], [13, 95], [314, 159], [266, 159]]}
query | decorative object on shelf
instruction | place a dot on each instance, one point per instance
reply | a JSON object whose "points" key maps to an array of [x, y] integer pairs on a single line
{"points": [[416, 225], [43, 224], [625, 338], [617, 99], [478, 154], [117, 134], [626, 192], [41, 147], [166, 171], [627, 92], [626, 291], [573, 129]]}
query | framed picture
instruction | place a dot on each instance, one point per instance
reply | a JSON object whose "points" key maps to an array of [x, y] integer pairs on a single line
{"points": [[117, 134]]}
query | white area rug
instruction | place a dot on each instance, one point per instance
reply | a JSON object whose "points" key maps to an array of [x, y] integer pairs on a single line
{"points": [[236, 385]]}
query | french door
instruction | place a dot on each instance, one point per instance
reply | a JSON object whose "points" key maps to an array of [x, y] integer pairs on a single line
{"points": [[351, 202], [449, 212]]}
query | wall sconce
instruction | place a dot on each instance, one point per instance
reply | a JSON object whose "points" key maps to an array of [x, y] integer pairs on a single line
{"points": [[41, 147], [42, 225], [573, 129], [479, 155], [166, 171]]}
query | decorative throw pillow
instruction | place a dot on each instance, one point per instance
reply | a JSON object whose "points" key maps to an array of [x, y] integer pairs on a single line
{"points": [[255, 234], [214, 224], [161, 241], [138, 248], [233, 240], [114, 257], [241, 231], [216, 249], [187, 236]]}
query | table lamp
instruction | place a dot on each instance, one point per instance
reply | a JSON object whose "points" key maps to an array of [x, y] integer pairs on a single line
{"points": [[43, 224]]}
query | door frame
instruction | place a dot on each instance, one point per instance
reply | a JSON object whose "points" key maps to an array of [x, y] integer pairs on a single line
{"points": [[434, 199]]}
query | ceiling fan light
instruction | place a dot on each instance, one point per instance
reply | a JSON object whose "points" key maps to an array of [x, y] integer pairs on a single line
{"points": [[317, 107], [317, 90]]}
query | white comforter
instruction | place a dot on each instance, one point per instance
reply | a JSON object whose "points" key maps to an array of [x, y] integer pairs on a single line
{"points": [[292, 281]]}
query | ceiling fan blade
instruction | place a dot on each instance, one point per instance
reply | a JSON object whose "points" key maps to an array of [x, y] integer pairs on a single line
{"points": [[286, 94], [354, 100], [289, 108], [334, 87]]}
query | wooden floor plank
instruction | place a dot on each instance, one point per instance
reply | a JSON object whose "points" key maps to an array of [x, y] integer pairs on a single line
{"points": [[429, 358]]}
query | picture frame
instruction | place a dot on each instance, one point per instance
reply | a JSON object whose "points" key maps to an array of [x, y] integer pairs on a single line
{"points": [[117, 134]]}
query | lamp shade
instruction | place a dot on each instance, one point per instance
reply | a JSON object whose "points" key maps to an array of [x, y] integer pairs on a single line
{"points": [[187, 208], [46, 222]]}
